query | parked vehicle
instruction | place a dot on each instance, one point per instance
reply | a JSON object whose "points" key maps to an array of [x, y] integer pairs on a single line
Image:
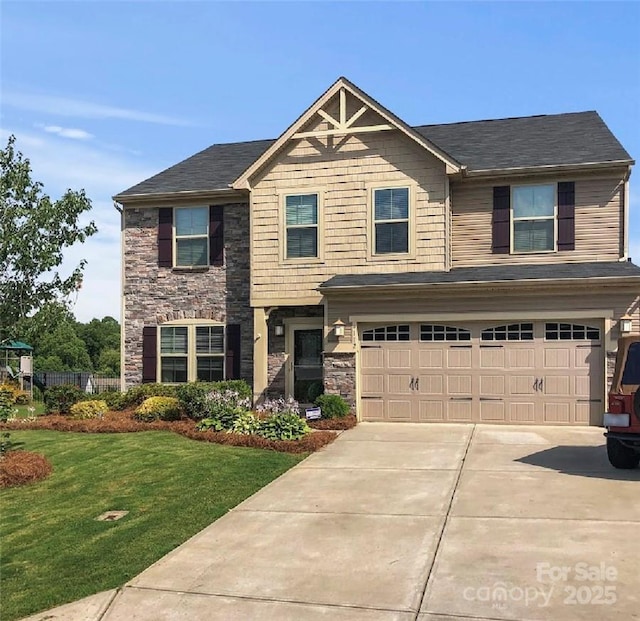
{"points": [[623, 418]]}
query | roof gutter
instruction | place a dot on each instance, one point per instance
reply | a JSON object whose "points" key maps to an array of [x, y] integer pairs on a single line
{"points": [[552, 168], [494, 284], [187, 194]]}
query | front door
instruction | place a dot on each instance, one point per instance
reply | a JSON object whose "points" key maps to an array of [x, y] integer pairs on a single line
{"points": [[307, 362]]}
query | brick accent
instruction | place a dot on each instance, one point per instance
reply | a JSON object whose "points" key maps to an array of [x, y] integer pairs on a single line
{"points": [[340, 376], [154, 295]]}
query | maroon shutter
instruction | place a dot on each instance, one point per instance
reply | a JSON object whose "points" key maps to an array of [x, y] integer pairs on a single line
{"points": [[566, 215], [149, 354], [501, 223], [216, 235], [165, 237], [232, 355]]}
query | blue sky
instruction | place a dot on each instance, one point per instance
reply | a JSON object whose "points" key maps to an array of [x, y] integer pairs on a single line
{"points": [[101, 95]]}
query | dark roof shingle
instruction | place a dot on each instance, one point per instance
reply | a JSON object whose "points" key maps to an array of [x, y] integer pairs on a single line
{"points": [[572, 138], [489, 273]]}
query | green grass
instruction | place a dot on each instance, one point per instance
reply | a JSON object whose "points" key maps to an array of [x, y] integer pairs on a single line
{"points": [[53, 549], [23, 410]]}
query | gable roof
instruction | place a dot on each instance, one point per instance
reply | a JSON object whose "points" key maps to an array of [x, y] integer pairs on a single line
{"points": [[570, 139], [488, 274]]}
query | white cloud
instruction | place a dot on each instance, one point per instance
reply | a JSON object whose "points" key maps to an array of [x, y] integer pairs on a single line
{"points": [[67, 132], [63, 106]]}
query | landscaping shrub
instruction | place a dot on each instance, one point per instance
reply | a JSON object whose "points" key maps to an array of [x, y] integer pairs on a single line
{"points": [[246, 423], [201, 400], [88, 409], [137, 394], [279, 406], [6, 405], [332, 406], [239, 386], [61, 398], [158, 408], [20, 467], [116, 401], [314, 391], [193, 399], [22, 398], [12, 390], [283, 426]]}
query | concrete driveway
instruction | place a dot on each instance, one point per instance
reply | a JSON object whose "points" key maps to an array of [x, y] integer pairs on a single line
{"points": [[404, 522]]}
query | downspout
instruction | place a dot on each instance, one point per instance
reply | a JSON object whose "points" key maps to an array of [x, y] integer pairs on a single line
{"points": [[625, 217], [122, 352]]}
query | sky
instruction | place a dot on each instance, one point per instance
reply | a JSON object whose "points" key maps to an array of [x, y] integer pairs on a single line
{"points": [[102, 95]]}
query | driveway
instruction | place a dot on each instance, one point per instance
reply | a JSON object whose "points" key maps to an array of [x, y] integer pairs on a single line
{"points": [[403, 522]]}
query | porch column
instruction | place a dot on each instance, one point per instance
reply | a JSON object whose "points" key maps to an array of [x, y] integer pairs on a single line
{"points": [[260, 351]]}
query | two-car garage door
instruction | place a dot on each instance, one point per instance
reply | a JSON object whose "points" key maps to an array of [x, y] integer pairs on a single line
{"points": [[526, 372]]}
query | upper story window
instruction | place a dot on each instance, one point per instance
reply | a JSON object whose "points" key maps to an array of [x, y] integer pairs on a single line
{"points": [[191, 234], [301, 222], [391, 221], [192, 352], [533, 218]]}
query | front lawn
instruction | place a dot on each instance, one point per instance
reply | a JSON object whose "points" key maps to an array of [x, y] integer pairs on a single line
{"points": [[53, 549]]}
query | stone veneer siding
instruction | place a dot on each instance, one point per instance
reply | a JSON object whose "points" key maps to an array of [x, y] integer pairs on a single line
{"points": [[153, 295], [340, 376]]}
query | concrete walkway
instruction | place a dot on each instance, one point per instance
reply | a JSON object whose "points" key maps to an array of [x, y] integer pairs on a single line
{"points": [[401, 522]]}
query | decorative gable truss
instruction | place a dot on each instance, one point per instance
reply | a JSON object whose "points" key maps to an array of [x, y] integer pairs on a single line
{"points": [[344, 110]]}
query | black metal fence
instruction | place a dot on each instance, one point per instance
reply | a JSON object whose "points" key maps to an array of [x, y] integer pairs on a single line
{"points": [[89, 382]]}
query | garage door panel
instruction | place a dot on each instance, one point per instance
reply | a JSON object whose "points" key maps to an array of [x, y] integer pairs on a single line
{"points": [[583, 386], [492, 411], [431, 385], [460, 411], [372, 409], [459, 358], [522, 412], [399, 359], [521, 358], [557, 385], [584, 356], [399, 384], [557, 358], [492, 385], [399, 409], [372, 358], [373, 383], [556, 412], [459, 384], [430, 359], [521, 384], [584, 412], [431, 411], [492, 357]]}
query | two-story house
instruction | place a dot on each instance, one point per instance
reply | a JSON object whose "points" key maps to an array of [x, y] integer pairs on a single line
{"points": [[472, 271]]}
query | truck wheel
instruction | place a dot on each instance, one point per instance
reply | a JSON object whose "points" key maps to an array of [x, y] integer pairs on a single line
{"points": [[621, 456]]}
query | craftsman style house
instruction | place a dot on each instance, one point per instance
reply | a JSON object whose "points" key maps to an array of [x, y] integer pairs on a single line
{"points": [[472, 271]]}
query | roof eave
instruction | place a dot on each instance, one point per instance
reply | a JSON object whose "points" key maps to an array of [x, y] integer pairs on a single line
{"points": [[552, 168], [183, 194], [469, 284]]}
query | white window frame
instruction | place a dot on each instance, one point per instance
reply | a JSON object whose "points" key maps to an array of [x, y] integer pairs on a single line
{"points": [[177, 237], [319, 193], [191, 355], [513, 220], [410, 220]]}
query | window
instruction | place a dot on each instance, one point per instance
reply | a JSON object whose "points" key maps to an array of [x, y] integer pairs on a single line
{"points": [[189, 353], [191, 225], [387, 333], [391, 221], [430, 332], [512, 332], [534, 218], [301, 219], [631, 373], [570, 332]]}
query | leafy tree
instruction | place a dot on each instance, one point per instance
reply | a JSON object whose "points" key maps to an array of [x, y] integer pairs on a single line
{"points": [[109, 362], [100, 335], [62, 348], [34, 231]]}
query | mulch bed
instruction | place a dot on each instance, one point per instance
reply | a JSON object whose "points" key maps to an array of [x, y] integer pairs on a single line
{"points": [[334, 424], [22, 467], [121, 422]]}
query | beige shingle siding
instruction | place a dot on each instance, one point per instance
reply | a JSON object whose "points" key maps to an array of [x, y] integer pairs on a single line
{"points": [[598, 215], [345, 176]]}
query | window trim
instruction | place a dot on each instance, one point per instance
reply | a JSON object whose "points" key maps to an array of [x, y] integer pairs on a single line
{"points": [[282, 201], [513, 220], [191, 355], [175, 237], [371, 226]]}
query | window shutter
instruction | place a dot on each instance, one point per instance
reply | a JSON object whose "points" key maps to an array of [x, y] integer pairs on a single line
{"points": [[232, 355], [501, 223], [165, 237], [149, 354], [566, 215], [216, 235]]}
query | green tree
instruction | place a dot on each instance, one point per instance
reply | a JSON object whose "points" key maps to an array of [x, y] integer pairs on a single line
{"points": [[62, 349], [34, 231], [109, 362], [100, 335]]}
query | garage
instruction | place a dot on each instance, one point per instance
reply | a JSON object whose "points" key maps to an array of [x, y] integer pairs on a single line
{"points": [[528, 372]]}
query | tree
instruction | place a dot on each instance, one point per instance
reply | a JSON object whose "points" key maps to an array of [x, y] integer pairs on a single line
{"points": [[62, 350], [34, 231], [100, 335]]}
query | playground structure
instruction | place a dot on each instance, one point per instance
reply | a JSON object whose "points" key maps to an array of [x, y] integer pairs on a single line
{"points": [[17, 364]]}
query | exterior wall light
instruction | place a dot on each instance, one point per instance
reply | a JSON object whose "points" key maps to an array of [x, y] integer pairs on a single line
{"points": [[626, 324], [338, 328], [279, 329]]}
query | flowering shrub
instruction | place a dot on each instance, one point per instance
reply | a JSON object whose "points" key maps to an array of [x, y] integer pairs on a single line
{"points": [[209, 399], [270, 407], [88, 409], [246, 423], [158, 408]]}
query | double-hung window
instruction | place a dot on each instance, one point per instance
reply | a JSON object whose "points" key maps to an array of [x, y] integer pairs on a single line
{"points": [[301, 223], [533, 218], [192, 352], [191, 226], [391, 221]]}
